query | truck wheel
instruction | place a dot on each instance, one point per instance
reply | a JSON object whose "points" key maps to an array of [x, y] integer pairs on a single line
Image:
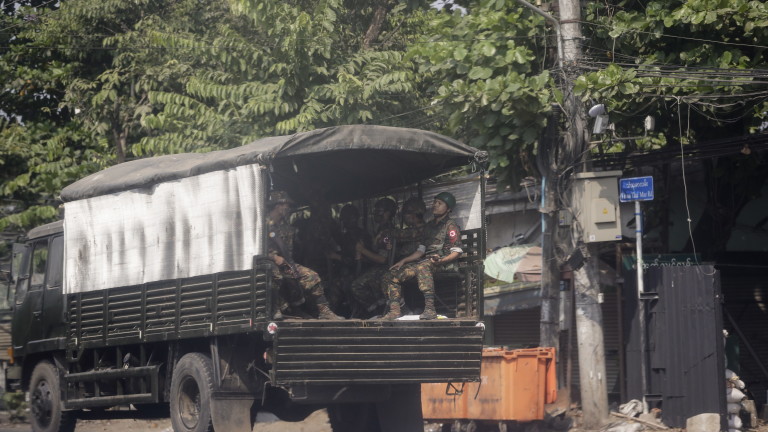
{"points": [[353, 417], [45, 401], [191, 388]]}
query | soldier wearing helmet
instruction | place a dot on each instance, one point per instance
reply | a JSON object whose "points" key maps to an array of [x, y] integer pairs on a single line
{"points": [[280, 237], [440, 245]]}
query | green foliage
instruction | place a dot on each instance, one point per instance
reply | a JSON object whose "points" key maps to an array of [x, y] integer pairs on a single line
{"points": [[16, 405], [277, 68], [37, 161], [487, 70], [682, 61]]}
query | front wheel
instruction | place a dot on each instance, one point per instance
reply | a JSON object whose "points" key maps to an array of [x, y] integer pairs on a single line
{"points": [[45, 401], [191, 388]]}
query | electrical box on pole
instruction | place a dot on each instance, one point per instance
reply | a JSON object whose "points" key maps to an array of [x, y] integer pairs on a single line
{"points": [[596, 205]]}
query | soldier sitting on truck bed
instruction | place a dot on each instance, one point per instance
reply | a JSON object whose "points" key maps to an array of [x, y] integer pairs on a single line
{"points": [[280, 243], [441, 244], [366, 289], [365, 296]]}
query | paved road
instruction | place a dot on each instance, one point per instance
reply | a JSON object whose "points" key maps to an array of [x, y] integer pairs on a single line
{"points": [[317, 422]]}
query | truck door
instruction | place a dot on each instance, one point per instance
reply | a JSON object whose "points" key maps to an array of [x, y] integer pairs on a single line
{"points": [[53, 300], [27, 324]]}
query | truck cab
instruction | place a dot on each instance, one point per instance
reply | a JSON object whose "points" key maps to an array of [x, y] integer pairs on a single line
{"points": [[38, 306]]}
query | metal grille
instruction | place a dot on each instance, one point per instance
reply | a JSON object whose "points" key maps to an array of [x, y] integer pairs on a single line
{"points": [[377, 352], [224, 303]]}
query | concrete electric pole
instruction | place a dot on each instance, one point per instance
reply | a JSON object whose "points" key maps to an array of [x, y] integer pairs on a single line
{"points": [[589, 319]]}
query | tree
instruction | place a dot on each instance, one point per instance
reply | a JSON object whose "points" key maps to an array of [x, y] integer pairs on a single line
{"points": [[692, 65], [41, 147], [77, 80], [137, 78], [277, 68], [489, 72]]}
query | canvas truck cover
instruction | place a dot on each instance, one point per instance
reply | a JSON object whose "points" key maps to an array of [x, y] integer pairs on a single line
{"points": [[186, 215]]}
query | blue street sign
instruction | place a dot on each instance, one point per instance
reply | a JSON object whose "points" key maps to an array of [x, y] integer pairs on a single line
{"points": [[636, 189]]}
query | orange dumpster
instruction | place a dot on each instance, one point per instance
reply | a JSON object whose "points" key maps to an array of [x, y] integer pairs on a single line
{"points": [[514, 386]]}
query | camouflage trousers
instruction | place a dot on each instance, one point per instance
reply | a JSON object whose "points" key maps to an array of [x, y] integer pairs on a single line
{"points": [[423, 271], [294, 287], [366, 289]]}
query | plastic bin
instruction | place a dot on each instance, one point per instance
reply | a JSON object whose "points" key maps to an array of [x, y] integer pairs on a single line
{"points": [[514, 386]]}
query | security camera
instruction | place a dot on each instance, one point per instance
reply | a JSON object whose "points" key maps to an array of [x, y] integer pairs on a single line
{"points": [[597, 110]]}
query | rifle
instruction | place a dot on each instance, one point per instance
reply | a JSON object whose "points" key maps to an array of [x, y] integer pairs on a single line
{"points": [[288, 266]]}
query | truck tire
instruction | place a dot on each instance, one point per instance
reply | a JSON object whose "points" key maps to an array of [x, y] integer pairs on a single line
{"points": [[191, 388], [354, 417], [45, 401]]}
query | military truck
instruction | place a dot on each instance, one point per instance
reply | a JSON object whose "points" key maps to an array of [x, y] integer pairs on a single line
{"points": [[155, 291]]}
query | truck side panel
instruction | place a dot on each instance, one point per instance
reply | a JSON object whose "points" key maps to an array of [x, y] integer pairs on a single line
{"points": [[220, 304]]}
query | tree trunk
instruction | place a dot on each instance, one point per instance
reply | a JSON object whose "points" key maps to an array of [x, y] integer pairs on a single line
{"points": [[377, 22]]}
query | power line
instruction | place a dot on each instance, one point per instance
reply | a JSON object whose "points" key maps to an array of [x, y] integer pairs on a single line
{"points": [[688, 38], [35, 7]]}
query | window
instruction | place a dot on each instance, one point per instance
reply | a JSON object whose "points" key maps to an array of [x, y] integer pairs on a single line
{"points": [[56, 263], [34, 269], [39, 264]]}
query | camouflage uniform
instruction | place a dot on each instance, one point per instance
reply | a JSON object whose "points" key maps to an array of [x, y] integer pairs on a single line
{"points": [[280, 237], [440, 239], [365, 290], [307, 278]]}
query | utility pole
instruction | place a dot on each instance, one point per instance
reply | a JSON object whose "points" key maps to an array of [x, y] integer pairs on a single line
{"points": [[589, 318]]}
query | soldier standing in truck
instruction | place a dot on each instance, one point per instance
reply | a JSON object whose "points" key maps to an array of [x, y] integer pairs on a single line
{"points": [[280, 242], [441, 245]]}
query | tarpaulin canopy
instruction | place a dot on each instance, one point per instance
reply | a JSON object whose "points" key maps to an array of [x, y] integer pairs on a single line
{"points": [[341, 163]]}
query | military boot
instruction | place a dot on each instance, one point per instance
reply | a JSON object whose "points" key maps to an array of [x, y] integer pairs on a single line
{"points": [[325, 313], [429, 309], [394, 311]]}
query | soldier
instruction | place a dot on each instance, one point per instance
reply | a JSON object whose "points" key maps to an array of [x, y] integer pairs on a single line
{"points": [[441, 245], [408, 238], [365, 290], [280, 244]]}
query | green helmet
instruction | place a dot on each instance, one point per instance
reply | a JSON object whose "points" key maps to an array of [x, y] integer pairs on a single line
{"points": [[447, 198]]}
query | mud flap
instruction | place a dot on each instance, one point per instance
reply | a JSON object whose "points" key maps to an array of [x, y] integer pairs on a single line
{"points": [[231, 415], [402, 411]]}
